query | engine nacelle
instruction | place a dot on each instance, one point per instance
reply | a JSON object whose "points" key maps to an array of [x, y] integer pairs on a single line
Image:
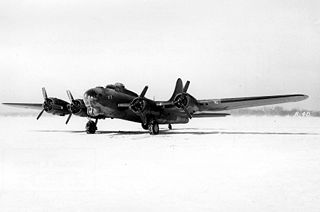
{"points": [[181, 100], [138, 105], [77, 107], [56, 106]]}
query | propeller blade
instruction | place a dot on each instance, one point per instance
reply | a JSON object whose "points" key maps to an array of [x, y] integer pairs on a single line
{"points": [[68, 118], [187, 112], [40, 114], [186, 86], [44, 93], [143, 118], [70, 96], [144, 91]]}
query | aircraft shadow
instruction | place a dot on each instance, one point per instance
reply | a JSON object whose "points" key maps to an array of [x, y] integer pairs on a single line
{"points": [[180, 132]]}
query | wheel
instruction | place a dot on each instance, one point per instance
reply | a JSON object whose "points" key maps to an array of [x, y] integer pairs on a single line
{"points": [[145, 126], [170, 127], [91, 127], [154, 128]]}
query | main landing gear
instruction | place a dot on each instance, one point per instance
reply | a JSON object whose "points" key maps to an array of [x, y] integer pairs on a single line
{"points": [[145, 126], [152, 125], [91, 126], [153, 128]]}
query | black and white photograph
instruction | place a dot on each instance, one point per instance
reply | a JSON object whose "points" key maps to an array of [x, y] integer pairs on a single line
{"points": [[158, 105]]}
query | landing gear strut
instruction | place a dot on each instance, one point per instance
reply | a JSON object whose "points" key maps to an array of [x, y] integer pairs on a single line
{"points": [[91, 126], [153, 128], [145, 126]]}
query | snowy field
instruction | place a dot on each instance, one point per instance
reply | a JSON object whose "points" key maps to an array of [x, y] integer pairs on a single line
{"points": [[221, 164]]}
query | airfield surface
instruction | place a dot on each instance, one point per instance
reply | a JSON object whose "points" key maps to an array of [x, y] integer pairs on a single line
{"points": [[218, 164]]}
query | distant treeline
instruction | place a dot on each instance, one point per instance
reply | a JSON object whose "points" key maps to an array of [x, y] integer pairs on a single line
{"points": [[275, 111]]}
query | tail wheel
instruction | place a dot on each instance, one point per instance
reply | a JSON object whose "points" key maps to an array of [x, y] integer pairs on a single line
{"points": [[91, 127], [154, 128]]}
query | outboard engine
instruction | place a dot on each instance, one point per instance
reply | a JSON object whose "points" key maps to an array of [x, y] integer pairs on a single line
{"points": [[54, 106]]}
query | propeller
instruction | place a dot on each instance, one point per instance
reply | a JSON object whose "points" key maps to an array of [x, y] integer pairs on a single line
{"points": [[186, 86], [138, 105], [70, 106], [68, 118], [73, 107], [47, 104], [181, 100], [44, 93], [40, 114], [76, 106], [70, 96]]}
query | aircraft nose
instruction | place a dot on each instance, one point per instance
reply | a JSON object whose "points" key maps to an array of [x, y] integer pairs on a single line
{"points": [[90, 97], [91, 93]]}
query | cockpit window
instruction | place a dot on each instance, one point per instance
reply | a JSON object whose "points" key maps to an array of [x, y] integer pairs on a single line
{"points": [[110, 86], [92, 93], [120, 88], [117, 86]]}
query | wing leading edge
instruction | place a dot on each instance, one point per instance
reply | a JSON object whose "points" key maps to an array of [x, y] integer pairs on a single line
{"points": [[36, 106], [243, 102]]}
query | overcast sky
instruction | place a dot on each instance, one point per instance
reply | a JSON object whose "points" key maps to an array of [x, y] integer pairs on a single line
{"points": [[225, 48]]}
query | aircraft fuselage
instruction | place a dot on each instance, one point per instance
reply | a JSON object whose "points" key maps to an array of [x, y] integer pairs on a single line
{"points": [[104, 102]]}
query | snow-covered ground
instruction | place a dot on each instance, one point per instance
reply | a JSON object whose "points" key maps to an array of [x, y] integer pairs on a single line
{"points": [[221, 164]]}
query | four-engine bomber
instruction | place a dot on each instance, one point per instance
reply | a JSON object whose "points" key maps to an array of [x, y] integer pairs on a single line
{"points": [[116, 101]]}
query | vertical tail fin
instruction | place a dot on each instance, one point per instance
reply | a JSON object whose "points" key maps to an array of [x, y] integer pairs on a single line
{"points": [[177, 89]]}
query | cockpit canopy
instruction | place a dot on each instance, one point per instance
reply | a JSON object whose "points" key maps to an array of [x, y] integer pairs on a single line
{"points": [[117, 86], [120, 88]]}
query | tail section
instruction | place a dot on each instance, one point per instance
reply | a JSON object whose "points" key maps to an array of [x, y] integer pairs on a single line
{"points": [[177, 89]]}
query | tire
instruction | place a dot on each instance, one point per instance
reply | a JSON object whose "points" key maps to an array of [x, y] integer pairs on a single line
{"points": [[145, 126], [154, 128], [91, 127]]}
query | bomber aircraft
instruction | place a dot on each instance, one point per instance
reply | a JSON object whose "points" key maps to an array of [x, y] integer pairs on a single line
{"points": [[115, 101]]}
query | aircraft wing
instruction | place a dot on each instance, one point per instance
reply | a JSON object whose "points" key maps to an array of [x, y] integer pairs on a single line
{"points": [[243, 102], [200, 114], [36, 106]]}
